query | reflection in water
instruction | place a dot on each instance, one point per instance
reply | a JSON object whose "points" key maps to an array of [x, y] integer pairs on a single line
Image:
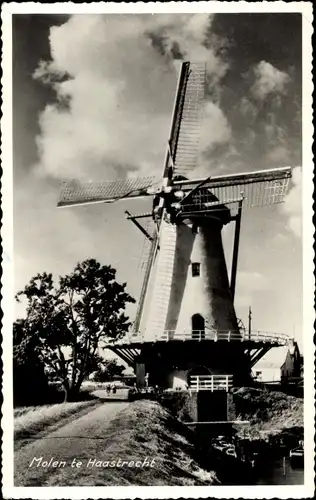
{"points": [[254, 462], [281, 471]]}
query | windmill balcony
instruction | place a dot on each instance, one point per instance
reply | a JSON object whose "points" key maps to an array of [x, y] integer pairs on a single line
{"points": [[210, 383], [208, 334]]}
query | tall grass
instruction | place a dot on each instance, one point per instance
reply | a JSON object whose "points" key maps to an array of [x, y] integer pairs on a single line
{"points": [[30, 420]]}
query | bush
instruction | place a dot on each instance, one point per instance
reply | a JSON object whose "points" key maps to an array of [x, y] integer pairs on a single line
{"points": [[30, 385]]}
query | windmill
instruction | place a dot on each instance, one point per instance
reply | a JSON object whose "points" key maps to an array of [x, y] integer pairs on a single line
{"points": [[186, 331]]}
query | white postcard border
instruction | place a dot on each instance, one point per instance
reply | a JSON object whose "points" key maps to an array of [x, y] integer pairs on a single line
{"points": [[303, 491]]}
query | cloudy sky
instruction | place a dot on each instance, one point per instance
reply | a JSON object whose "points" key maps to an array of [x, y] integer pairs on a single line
{"points": [[92, 99]]}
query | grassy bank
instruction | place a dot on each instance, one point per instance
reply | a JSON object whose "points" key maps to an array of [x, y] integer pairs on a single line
{"points": [[143, 430], [268, 411], [30, 420]]}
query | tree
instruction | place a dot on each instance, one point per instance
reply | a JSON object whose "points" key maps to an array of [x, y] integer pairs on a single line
{"points": [[30, 383], [107, 370], [71, 320]]}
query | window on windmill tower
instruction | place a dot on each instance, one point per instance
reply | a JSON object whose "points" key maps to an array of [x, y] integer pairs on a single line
{"points": [[195, 269]]}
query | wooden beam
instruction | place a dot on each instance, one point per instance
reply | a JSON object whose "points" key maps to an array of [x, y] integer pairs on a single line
{"points": [[235, 250], [138, 216], [138, 225], [259, 354], [176, 117], [122, 355]]}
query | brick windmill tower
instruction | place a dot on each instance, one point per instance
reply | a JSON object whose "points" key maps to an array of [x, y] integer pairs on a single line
{"points": [[186, 332]]}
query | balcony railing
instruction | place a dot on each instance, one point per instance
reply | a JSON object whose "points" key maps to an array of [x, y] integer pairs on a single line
{"points": [[210, 383], [208, 334], [199, 335]]}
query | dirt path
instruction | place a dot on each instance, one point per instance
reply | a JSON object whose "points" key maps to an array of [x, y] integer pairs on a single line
{"points": [[48, 459]]}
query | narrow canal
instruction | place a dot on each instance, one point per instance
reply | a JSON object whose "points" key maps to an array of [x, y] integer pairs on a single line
{"points": [[280, 471], [250, 463]]}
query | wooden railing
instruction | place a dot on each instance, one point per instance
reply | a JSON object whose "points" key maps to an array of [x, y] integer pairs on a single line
{"points": [[209, 334], [199, 335], [210, 383]]}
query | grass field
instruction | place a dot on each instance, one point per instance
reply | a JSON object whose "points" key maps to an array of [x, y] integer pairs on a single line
{"points": [[31, 420]]}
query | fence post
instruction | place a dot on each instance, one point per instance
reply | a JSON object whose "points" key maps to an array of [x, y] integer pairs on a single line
{"points": [[212, 383], [226, 383]]}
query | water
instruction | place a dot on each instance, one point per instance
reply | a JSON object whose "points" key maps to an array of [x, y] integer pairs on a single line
{"points": [[272, 468], [269, 470], [280, 471], [276, 472]]}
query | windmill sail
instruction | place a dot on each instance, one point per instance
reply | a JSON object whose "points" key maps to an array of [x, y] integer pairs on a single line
{"points": [[82, 193], [187, 119], [149, 227], [149, 264], [187, 145], [258, 189]]}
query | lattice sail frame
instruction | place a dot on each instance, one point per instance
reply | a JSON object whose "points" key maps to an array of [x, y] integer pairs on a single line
{"points": [[80, 193], [258, 189], [186, 137]]}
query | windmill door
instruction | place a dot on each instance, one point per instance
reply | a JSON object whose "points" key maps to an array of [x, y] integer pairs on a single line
{"points": [[198, 327]]}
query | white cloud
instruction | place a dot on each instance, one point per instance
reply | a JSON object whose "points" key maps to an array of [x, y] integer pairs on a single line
{"points": [[215, 127], [292, 206], [248, 109], [279, 152], [268, 80], [120, 90], [215, 132]]}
